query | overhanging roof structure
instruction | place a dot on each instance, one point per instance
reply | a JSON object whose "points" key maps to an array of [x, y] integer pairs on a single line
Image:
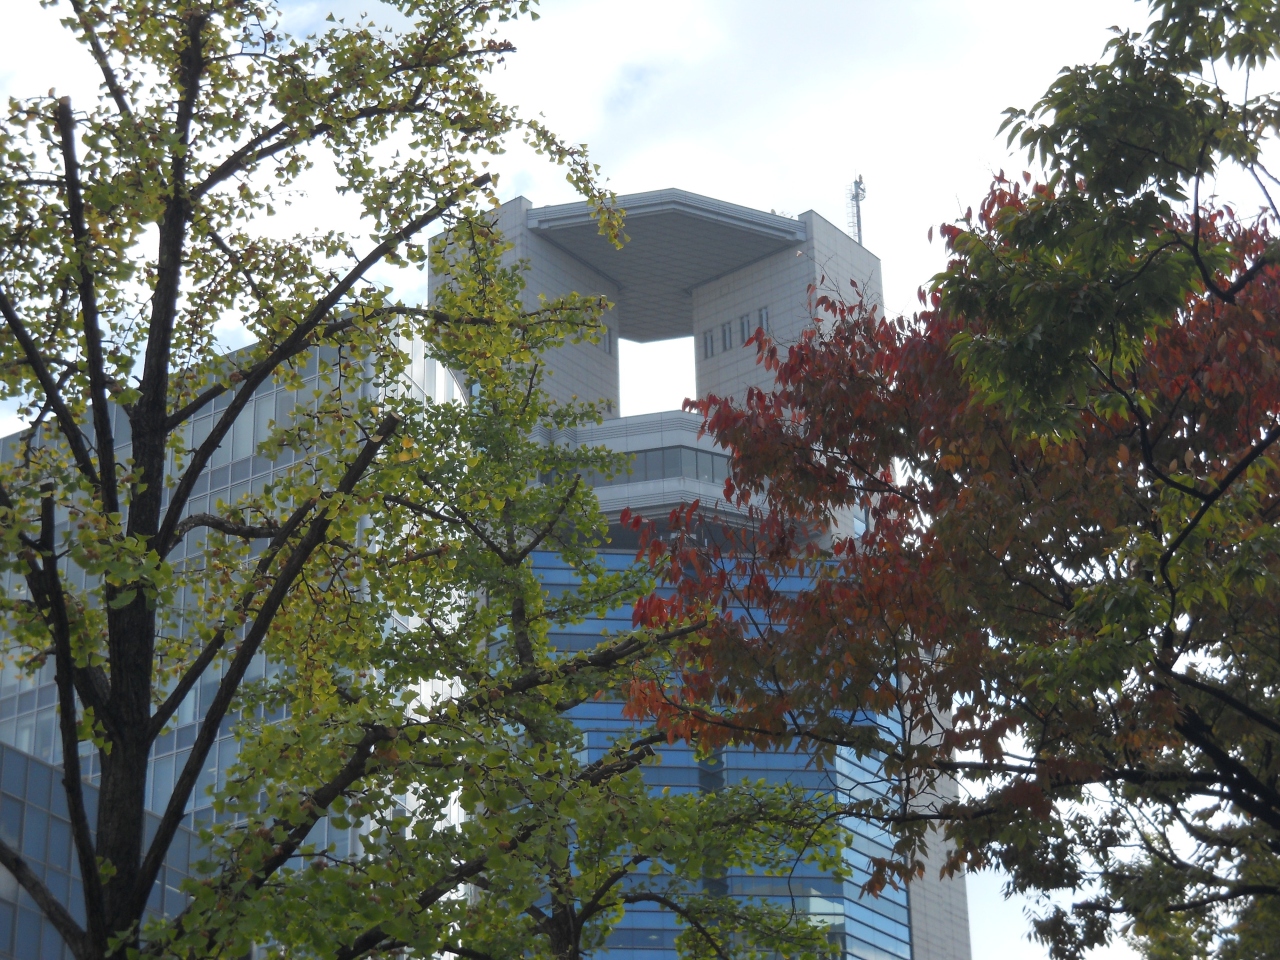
{"points": [[678, 241]]}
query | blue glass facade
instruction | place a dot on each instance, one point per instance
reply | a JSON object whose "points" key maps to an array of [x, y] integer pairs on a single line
{"points": [[34, 821], [31, 799], [869, 928]]}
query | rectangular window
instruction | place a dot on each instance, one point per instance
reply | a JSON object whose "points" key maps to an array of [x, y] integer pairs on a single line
{"points": [[671, 462], [688, 462], [744, 327], [726, 335], [764, 319], [706, 468], [708, 345], [652, 464]]}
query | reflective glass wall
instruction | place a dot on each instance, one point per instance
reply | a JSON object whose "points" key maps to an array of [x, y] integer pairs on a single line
{"points": [[868, 928]]}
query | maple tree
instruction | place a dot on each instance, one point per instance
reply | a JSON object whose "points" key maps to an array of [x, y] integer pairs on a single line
{"points": [[1068, 595], [365, 614]]}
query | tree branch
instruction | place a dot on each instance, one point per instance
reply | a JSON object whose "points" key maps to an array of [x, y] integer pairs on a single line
{"points": [[1213, 496], [49, 905], [239, 664], [245, 531], [66, 422], [67, 726], [104, 440], [192, 676], [680, 911], [293, 344], [100, 57]]}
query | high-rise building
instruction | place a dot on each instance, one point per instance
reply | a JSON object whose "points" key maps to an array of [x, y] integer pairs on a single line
{"points": [[698, 267], [693, 267]]}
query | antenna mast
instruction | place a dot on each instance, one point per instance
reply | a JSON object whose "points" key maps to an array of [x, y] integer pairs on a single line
{"points": [[857, 193]]}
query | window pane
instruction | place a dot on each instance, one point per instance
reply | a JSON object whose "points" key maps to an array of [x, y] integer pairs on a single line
{"points": [[653, 464], [705, 469], [671, 462], [34, 828]]}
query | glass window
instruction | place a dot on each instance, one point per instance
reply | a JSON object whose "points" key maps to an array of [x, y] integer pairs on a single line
{"points": [[201, 427], [242, 437], [671, 462], [653, 464], [705, 468], [27, 935], [40, 778], [688, 462], [285, 401], [34, 828], [264, 409], [11, 820], [708, 345], [726, 335], [222, 456], [744, 327], [763, 315]]}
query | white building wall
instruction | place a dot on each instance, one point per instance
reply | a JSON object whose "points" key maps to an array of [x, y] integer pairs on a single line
{"points": [[780, 285], [939, 910], [588, 371]]}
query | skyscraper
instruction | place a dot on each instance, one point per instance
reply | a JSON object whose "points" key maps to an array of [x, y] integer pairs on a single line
{"points": [[694, 267], [698, 267]]}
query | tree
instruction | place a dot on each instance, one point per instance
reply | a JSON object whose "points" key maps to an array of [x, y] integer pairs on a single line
{"points": [[383, 573], [1067, 593], [488, 829]]}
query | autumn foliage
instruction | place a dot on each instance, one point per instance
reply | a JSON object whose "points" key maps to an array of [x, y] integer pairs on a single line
{"points": [[1081, 623]]}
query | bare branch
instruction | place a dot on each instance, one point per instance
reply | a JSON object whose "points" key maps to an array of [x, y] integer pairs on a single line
{"points": [[245, 531]]}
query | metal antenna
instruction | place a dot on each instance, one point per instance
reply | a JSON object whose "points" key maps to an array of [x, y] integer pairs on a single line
{"points": [[857, 193]]}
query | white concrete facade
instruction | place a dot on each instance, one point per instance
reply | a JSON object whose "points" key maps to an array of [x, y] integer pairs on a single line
{"points": [[693, 266], [779, 292], [588, 371]]}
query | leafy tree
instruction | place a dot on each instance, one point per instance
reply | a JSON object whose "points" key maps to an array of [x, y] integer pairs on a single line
{"points": [[384, 572], [1067, 596]]}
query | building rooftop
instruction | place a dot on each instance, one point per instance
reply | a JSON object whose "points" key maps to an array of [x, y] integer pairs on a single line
{"points": [[678, 241]]}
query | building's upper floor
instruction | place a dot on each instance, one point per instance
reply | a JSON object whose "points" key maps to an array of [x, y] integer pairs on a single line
{"points": [[692, 266]]}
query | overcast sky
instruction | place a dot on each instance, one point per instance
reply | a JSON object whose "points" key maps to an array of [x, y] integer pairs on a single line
{"points": [[776, 105]]}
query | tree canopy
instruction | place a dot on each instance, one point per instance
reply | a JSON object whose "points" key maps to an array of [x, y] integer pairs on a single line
{"points": [[1066, 597], [379, 564]]}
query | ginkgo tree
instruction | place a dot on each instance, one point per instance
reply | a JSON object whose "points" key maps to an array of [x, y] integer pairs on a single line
{"points": [[383, 571], [1067, 594]]}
